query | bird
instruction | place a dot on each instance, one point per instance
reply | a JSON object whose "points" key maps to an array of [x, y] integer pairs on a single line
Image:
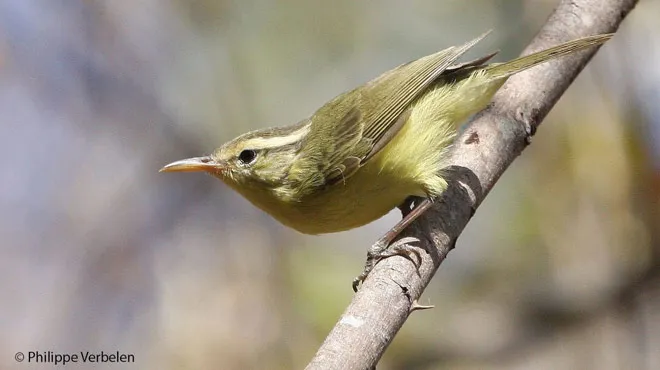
{"points": [[370, 149]]}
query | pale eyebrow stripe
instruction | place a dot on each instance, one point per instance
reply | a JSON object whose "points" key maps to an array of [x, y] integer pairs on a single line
{"points": [[277, 141]]}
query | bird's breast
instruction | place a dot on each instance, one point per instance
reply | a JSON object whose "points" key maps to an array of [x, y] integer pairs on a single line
{"points": [[364, 197]]}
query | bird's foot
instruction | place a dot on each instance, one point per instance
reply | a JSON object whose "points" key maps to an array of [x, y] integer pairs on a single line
{"points": [[383, 249]]}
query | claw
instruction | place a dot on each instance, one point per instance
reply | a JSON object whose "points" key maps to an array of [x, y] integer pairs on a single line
{"points": [[357, 281], [400, 248], [381, 251]]}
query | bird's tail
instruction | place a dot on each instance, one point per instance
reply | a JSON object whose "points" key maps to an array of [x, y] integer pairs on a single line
{"points": [[503, 70]]}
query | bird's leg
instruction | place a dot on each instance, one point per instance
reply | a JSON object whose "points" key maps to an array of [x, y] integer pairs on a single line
{"points": [[384, 247]]}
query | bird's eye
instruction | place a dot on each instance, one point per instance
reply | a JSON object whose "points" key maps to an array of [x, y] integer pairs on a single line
{"points": [[247, 156]]}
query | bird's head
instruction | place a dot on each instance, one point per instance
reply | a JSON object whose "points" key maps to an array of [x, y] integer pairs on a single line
{"points": [[255, 160]]}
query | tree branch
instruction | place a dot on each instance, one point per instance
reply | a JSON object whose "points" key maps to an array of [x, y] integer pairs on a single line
{"points": [[494, 139]]}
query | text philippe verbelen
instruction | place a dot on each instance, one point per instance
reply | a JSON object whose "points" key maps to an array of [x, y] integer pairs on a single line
{"points": [[79, 357]]}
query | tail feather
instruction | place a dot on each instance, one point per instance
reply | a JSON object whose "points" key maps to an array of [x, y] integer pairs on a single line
{"points": [[506, 69]]}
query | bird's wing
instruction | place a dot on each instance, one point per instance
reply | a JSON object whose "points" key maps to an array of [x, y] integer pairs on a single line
{"points": [[367, 118]]}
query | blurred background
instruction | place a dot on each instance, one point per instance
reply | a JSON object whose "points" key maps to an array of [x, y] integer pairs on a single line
{"points": [[559, 269]]}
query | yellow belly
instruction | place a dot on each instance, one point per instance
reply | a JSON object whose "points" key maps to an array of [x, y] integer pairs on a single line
{"points": [[364, 197]]}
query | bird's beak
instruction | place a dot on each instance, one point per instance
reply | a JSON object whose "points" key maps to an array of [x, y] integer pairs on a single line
{"points": [[193, 165]]}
